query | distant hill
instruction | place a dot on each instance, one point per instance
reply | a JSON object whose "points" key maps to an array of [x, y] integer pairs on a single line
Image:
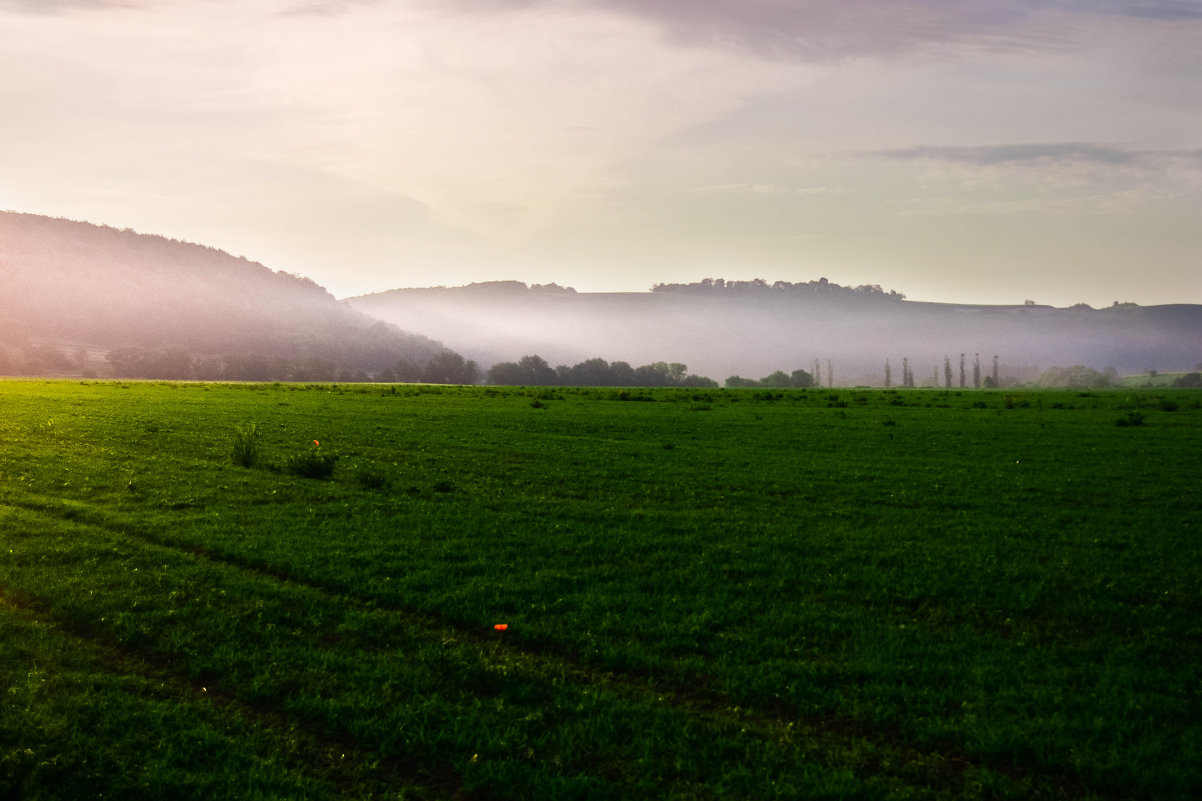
{"points": [[753, 328], [77, 298]]}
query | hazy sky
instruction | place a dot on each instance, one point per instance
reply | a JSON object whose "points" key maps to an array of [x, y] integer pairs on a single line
{"points": [[953, 150]]}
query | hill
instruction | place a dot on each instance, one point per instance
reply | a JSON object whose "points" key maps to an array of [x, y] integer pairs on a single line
{"points": [[753, 328], [93, 300]]}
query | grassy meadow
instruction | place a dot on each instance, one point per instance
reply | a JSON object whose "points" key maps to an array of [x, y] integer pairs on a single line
{"points": [[363, 591]]}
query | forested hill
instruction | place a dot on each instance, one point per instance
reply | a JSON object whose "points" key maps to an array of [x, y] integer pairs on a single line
{"points": [[752, 328], [94, 300]]}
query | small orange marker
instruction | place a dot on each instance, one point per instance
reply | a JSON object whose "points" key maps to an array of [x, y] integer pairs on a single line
{"points": [[316, 444], [501, 626]]}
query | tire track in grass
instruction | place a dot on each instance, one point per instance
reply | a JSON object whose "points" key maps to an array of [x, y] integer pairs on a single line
{"points": [[342, 761], [832, 737]]}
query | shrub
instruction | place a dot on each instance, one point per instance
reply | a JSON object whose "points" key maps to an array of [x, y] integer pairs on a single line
{"points": [[1132, 419], [312, 463], [244, 448]]}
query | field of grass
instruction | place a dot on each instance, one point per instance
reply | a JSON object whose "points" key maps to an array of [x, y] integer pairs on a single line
{"points": [[598, 594]]}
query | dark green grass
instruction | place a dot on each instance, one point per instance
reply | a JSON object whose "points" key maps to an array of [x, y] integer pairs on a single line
{"points": [[717, 593]]}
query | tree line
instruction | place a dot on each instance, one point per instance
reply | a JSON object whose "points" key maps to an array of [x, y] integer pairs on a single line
{"points": [[799, 379], [759, 286], [449, 367], [178, 364], [533, 370]]}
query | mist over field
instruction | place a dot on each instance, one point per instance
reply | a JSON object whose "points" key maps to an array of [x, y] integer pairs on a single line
{"points": [[751, 329], [80, 299]]}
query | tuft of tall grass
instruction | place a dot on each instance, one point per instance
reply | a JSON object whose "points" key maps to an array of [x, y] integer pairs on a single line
{"points": [[312, 462], [244, 447]]}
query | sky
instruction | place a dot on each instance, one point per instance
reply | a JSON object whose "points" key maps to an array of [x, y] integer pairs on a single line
{"points": [[975, 151]]}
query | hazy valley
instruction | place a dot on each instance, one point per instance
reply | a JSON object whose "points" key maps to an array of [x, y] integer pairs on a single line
{"points": [[80, 299]]}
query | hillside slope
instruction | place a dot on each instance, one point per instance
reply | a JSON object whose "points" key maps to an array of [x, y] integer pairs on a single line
{"points": [[754, 328], [98, 300]]}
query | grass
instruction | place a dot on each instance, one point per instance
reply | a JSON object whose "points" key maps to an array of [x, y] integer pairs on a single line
{"points": [[244, 446], [709, 594]]}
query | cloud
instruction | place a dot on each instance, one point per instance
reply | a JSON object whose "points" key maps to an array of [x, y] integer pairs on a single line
{"points": [[799, 29], [835, 30], [757, 189], [992, 155], [50, 7], [1077, 153], [1170, 10], [324, 8]]}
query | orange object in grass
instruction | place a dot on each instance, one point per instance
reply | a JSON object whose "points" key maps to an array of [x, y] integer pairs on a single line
{"points": [[501, 626]]}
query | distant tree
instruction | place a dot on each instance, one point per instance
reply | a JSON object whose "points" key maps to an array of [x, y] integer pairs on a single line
{"points": [[822, 287], [537, 370], [778, 380], [830, 374], [599, 373], [506, 373], [817, 372], [976, 371], [656, 374], [407, 372], [621, 373], [589, 373], [801, 379], [963, 379], [448, 367], [529, 370], [170, 363], [737, 382], [947, 372], [1189, 381], [888, 376], [996, 380]]}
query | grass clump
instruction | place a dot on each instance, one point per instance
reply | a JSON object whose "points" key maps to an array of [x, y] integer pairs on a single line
{"points": [[244, 446], [312, 462], [1130, 419]]}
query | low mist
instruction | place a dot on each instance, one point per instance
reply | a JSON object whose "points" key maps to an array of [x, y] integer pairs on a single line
{"points": [[751, 330]]}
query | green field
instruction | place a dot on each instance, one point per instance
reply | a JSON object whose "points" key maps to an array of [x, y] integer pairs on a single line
{"points": [[707, 594]]}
